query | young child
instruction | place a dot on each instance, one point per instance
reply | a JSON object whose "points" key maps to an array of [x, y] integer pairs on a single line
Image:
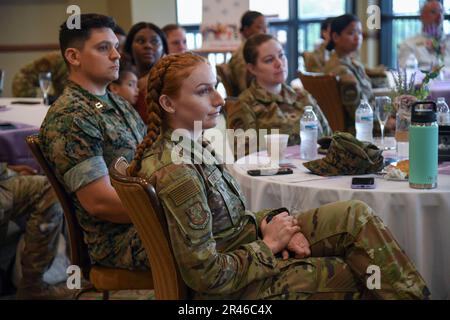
{"points": [[126, 85]]}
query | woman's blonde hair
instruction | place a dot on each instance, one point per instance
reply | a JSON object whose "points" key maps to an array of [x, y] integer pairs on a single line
{"points": [[165, 77]]}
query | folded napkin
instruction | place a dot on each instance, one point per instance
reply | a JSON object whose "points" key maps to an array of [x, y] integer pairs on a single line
{"points": [[347, 156]]}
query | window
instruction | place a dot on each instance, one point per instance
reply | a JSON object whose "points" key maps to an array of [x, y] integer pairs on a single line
{"points": [[189, 12], [313, 9], [273, 10], [295, 23], [401, 20]]}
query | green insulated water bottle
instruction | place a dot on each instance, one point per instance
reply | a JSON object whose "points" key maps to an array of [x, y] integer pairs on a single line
{"points": [[423, 146]]}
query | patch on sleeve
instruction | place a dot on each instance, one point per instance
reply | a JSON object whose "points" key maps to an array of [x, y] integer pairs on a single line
{"points": [[198, 216], [184, 192]]}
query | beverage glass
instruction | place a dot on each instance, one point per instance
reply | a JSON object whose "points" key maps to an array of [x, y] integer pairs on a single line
{"points": [[2, 81], [276, 146], [45, 80], [383, 106]]}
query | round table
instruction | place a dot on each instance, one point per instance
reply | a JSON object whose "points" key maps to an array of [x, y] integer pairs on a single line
{"points": [[19, 118], [439, 89], [419, 219]]}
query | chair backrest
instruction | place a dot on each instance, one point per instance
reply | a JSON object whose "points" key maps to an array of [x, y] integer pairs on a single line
{"points": [[78, 249], [325, 89], [224, 73], [141, 201]]}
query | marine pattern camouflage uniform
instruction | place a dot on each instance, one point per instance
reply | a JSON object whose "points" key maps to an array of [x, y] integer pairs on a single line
{"points": [[348, 156], [80, 136], [259, 109], [32, 204], [26, 81], [217, 243], [354, 85]]}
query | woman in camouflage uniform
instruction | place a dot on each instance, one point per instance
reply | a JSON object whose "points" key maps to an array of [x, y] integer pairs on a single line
{"points": [[226, 251], [269, 103], [252, 22], [346, 40]]}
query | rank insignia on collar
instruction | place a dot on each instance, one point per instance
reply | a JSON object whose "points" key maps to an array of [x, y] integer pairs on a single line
{"points": [[98, 105]]}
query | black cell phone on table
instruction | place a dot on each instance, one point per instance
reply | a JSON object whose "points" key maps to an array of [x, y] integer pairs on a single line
{"points": [[269, 172], [363, 183], [25, 102]]}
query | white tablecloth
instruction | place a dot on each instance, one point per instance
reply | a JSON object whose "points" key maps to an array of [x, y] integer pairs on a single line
{"points": [[420, 220], [32, 114]]}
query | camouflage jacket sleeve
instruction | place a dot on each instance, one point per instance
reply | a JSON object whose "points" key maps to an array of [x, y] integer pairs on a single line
{"points": [[350, 89], [189, 219], [238, 70], [74, 146]]}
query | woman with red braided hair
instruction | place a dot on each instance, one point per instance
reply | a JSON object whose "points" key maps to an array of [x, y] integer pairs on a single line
{"points": [[225, 251]]}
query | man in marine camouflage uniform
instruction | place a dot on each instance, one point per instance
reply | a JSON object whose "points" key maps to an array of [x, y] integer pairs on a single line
{"points": [[84, 130], [26, 195], [219, 248]]}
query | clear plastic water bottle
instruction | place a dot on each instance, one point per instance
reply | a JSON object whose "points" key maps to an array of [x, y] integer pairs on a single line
{"points": [[364, 122], [443, 112], [309, 131]]}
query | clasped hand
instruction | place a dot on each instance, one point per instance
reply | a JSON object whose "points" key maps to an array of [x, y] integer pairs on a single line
{"points": [[283, 234]]}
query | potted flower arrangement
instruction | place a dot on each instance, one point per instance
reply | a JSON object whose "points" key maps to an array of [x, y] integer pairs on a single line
{"points": [[405, 93]]}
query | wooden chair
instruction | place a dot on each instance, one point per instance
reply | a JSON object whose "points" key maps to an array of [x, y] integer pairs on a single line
{"points": [[325, 89], [139, 198], [224, 73], [102, 278]]}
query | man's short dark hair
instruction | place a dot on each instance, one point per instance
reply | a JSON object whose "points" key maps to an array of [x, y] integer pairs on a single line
{"points": [[75, 38], [119, 30]]}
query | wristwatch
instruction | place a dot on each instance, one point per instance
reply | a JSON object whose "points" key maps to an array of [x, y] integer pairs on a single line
{"points": [[274, 213]]}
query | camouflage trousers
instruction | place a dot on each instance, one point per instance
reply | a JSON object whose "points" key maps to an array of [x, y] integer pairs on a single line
{"points": [[129, 253], [32, 204], [345, 239]]}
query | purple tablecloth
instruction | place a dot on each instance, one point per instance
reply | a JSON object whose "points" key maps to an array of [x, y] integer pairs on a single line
{"points": [[440, 89], [13, 148]]}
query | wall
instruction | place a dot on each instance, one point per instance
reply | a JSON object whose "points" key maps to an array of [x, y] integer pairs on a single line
{"points": [[160, 12], [28, 22]]}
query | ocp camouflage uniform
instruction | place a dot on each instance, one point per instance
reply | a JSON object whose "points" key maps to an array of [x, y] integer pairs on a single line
{"points": [[220, 253], [315, 60], [238, 68], [26, 81], [259, 109], [31, 202], [354, 85], [81, 135]]}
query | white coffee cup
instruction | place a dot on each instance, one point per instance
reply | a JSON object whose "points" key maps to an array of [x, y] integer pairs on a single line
{"points": [[276, 146]]}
